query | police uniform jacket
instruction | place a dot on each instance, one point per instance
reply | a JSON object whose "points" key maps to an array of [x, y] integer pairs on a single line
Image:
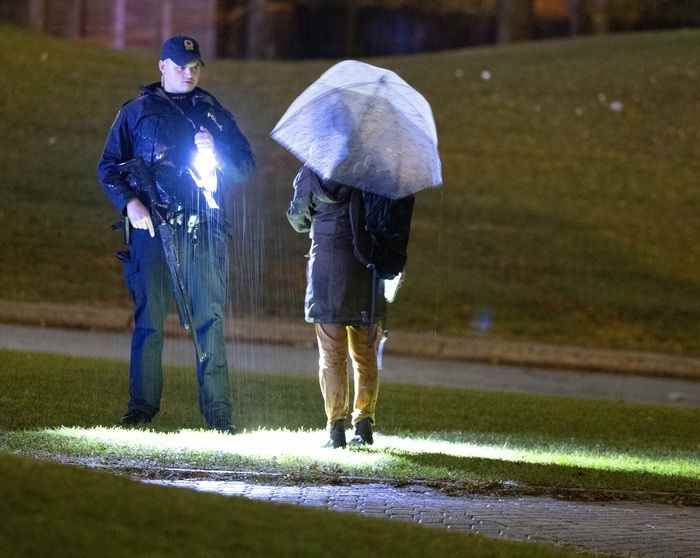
{"points": [[156, 129]]}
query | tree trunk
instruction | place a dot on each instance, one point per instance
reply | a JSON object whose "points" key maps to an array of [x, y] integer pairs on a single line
{"points": [[76, 20], [257, 41], [119, 24], [599, 16], [573, 8], [514, 20], [166, 20], [37, 14]]}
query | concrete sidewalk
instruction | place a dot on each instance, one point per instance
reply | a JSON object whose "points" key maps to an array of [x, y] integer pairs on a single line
{"points": [[421, 345], [302, 360]]}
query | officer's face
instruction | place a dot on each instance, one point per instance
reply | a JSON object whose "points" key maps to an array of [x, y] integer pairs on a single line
{"points": [[179, 79]]}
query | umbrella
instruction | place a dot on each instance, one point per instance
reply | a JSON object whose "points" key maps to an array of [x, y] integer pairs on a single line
{"points": [[364, 126]]}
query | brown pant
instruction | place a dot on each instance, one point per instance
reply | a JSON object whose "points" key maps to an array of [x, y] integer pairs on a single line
{"points": [[334, 340]]}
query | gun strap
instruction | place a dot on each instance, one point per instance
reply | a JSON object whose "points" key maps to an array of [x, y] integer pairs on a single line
{"points": [[127, 230], [165, 96]]}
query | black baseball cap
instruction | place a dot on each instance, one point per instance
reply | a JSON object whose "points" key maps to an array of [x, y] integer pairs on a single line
{"points": [[182, 50]]}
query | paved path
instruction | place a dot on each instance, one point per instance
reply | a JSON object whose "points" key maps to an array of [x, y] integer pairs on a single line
{"points": [[620, 528], [284, 359], [429, 344]]}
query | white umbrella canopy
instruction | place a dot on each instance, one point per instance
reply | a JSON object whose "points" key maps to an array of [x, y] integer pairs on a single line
{"points": [[364, 126]]}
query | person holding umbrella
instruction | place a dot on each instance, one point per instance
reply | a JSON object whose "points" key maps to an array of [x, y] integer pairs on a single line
{"points": [[338, 301], [368, 143]]}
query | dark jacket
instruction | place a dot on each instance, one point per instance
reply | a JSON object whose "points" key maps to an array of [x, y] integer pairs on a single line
{"points": [[339, 288], [155, 129]]}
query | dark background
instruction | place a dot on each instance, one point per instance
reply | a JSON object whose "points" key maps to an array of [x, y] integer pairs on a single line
{"points": [[296, 29]]}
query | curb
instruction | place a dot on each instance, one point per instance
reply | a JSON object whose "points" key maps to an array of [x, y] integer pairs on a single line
{"points": [[410, 344]]}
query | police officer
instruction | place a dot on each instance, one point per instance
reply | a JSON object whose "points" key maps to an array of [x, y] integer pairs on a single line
{"points": [[169, 124]]}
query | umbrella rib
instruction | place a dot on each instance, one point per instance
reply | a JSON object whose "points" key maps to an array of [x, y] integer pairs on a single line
{"points": [[416, 110]]}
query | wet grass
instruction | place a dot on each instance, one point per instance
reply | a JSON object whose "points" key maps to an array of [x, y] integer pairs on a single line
{"points": [[65, 405], [563, 219], [53, 510]]}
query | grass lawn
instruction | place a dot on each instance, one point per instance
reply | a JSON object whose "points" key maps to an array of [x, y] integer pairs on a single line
{"points": [[65, 405], [53, 510], [569, 212]]}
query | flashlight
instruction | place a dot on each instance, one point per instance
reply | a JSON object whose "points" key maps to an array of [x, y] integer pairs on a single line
{"points": [[203, 171]]}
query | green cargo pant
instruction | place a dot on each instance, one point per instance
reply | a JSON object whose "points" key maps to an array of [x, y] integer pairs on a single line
{"points": [[334, 341]]}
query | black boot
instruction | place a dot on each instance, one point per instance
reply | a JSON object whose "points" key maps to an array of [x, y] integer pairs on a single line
{"points": [[222, 425], [363, 433], [337, 435], [134, 417]]}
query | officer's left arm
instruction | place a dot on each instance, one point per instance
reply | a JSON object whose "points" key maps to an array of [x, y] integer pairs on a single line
{"points": [[234, 154]]}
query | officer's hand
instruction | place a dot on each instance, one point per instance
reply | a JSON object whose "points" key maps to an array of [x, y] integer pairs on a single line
{"points": [[139, 216], [204, 140]]}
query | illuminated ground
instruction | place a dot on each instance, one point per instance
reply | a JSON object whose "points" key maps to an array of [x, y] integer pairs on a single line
{"points": [[289, 447], [616, 527]]}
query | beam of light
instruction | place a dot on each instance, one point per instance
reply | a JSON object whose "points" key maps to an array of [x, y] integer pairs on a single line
{"points": [[258, 444], [603, 459], [203, 171], [303, 446]]}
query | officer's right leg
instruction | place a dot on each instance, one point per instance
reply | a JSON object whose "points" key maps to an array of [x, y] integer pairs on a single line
{"points": [[147, 279]]}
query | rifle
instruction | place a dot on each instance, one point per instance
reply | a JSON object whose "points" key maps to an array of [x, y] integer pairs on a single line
{"points": [[143, 180]]}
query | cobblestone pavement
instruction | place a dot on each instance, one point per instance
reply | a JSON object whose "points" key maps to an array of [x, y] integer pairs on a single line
{"points": [[617, 528]]}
